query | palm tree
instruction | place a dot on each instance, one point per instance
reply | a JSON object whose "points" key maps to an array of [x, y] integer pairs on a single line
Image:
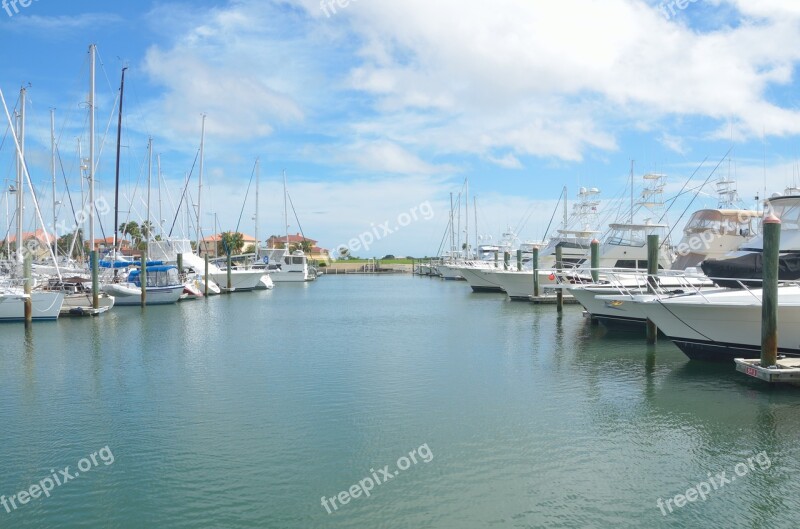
{"points": [[230, 243]]}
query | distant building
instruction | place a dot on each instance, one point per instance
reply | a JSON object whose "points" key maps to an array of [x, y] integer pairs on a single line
{"points": [[209, 245], [316, 253], [35, 241]]}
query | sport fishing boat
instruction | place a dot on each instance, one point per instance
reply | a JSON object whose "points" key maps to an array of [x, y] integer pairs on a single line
{"points": [[723, 324], [285, 267]]}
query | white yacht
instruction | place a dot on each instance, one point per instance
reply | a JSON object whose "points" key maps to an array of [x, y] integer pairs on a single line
{"points": [[575, 237], [723, 324], [284, 267]]}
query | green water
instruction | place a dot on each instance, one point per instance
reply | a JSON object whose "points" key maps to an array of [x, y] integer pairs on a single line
{"points": [[244, 411]]}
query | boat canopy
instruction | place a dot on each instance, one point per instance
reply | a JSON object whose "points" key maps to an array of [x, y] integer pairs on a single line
{"points": [[722, 221], [157, 276]]}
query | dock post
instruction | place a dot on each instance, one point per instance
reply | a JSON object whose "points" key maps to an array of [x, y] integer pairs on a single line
{"points": [[180, 264], [27, 287], [143, 278], [652, 272], [506, 260], [535, 263], [519, 260], [769, 296], [595, 260], [230, 280], [95, 280], [496, 258], [205, 279], [559, 292]]}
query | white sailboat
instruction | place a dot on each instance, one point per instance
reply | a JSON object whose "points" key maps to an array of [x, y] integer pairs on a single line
{"points": [[46, 305]]}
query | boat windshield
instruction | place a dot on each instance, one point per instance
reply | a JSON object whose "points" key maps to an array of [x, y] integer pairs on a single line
{"points": [[789, 213], [721, 222]]}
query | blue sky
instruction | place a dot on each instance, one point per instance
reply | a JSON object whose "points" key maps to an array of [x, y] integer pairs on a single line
{"points": [[382, 106]]}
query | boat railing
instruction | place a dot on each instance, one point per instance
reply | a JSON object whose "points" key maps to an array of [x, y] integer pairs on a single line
{"points": [[664, 284]]}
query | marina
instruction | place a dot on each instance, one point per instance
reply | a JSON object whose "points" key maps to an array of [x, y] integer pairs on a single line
{"points": [[274, 264]]}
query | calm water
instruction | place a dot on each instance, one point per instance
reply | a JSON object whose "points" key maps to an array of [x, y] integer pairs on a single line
{"points": [[244, 411]]}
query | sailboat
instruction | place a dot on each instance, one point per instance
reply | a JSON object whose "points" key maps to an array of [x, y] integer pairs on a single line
{"points": [[163, 286], [14, 293]]}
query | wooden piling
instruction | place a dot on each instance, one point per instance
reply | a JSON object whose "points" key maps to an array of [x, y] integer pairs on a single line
{"points": [[230, 279], [595, 260], [95, 279], [769, 296], [652, 272], [180, 264], [205, 279], [535, 263], [519, 260], [143, 279], [27, 287], [559, 292]]}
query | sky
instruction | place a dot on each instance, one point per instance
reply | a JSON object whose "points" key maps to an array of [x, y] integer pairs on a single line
{"points": [[377, 111]]}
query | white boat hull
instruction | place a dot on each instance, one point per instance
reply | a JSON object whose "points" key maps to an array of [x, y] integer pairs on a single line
{"points": [[46, 306], [519, 285], [724, 325], [241, 280], [128, 294]]}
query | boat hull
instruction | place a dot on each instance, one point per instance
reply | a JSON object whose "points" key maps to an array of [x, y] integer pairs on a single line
{"points": [[46, 306], [241, 280], [519, 285], [130, 295], [721, 331]]}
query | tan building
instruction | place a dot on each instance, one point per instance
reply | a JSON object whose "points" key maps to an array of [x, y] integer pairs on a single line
{"points": [[316, 254], [209, 245]]}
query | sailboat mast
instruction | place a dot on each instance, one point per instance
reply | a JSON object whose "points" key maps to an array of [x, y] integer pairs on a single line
{"points": [[475, 207], [148, 224], [92, 60], [200, 180], [452, 229], [53, 173], [566, 217], [20, 172], [466, 219], [158, 183], [258, 177], [116, 177], [285, 211]]}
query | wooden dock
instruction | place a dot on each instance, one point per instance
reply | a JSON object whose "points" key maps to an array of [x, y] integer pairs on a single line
{"points": [[82, 311], [786, 370], [550, 299]]}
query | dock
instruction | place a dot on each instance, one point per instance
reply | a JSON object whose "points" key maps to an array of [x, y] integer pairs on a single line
{"points": [[552, 299], [785, 371], [82, 311]]}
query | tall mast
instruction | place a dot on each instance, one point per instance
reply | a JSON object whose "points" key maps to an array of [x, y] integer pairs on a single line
{"points": [[116, 180], [466, 219], [258, 177], [285, 211], [452, 229], [21, 173], [158, 180], [566, 218], [475, 207], [200, 181], [53, 171], [148, 224], [92, 60], [631, 220]]}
